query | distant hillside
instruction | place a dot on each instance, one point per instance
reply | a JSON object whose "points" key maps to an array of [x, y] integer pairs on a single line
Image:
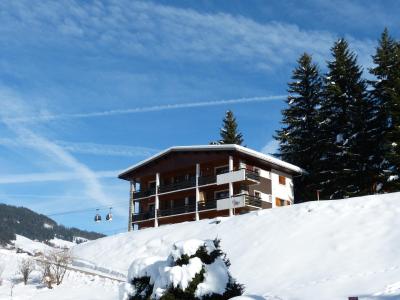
{"points": [[23, 221]]}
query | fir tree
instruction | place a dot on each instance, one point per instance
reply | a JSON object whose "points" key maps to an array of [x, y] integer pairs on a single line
{"points": [[300, 119], [143, 288], [344, 134], [229, 132], [386, 95]]}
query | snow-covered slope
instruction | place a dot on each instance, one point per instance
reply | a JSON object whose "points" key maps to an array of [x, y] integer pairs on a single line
{"points": [[29, 246], [78, 283], [59, 243], [320, 250]]}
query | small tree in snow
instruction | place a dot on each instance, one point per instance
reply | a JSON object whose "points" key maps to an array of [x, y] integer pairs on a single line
{"points": [[2, 267], [54, 266], [25, 268], [195, 270]]}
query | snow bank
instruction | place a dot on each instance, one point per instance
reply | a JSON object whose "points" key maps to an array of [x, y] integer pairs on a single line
{"points": [[29, 246], [215, 281], [319, 250], [2, 266], [58, 243]]}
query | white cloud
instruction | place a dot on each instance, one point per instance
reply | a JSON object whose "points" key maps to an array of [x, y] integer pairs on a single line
{"points": [[271, 147], [13, 106], [54, 176], [145, 109], [90, 148], [151, 30]]}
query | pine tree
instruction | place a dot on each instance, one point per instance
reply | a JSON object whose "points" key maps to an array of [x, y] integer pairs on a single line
{"points": [[229, 132], [345, 128], [300, 119], [386, 95]]}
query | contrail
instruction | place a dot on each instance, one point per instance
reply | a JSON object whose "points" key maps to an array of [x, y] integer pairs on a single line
{"points": [[144, 109]]}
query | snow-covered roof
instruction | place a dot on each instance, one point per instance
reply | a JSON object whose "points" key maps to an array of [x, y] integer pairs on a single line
{"points": [[225, 147]]}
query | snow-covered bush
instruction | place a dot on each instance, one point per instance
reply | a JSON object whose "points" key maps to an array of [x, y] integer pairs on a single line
{"points": [[54, 265], [194, 270], [2, 267], [25, 267]]}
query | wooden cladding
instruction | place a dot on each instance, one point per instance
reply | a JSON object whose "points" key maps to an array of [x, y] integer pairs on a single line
{"points": [[282, 180]]}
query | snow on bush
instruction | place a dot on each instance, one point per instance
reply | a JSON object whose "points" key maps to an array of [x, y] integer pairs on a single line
{"points": [[25, 267], [195, 269], [2, 267]]}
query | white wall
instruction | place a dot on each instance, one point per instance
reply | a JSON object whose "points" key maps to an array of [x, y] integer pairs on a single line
{"points": [[265, 174], [264, 197], [281, 191]]}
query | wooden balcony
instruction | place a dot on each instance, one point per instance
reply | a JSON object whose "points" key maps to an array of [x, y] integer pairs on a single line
{"points": [[240, 175], [180, 210], [242, 200], [167, 188], [238, 201]]}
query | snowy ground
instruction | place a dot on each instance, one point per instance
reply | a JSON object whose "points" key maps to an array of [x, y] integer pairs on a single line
{"points": [[327, 250], [76, 285]]}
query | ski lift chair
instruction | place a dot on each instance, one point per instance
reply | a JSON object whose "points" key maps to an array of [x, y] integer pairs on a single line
{"points": [[97, 217], [109, 215]]}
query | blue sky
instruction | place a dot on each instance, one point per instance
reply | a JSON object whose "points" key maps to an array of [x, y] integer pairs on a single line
{"points": [[88, 88]]}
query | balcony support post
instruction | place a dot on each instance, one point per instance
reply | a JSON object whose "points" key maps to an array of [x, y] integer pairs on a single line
{"points": [[197, 191], [157, 200], [231, 211], [131, 204]]}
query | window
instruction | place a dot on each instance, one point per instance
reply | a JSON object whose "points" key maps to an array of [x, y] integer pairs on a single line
{"points": [[152, 184], [257, 194], [221, 194], [221, 170], [202, 198], [256, 170], [186, 201], [282, 180], [280, 202]]}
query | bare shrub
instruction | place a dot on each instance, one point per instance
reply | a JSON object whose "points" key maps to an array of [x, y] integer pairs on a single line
{"points": [[54, 266], [2, 267], [25, 268]]}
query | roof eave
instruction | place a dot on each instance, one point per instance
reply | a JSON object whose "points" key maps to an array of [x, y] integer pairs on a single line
{"points": [[272, 160]]}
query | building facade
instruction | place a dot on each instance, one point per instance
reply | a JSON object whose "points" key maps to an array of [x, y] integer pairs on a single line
{"points": [[190, 183]]}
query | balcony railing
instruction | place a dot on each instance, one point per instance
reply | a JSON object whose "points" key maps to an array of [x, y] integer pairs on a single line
{"points": [[176, 210], [252, 175], [204, 180], [143, 216], [253, 201], [177, 186], [191, 208], [144, 193], [210, 204], [165, 188]]}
